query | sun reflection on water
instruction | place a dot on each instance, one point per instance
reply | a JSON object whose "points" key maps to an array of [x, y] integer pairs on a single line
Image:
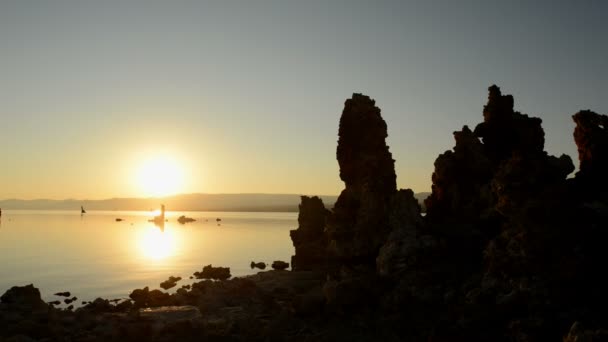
{"points": [[155, 244]]}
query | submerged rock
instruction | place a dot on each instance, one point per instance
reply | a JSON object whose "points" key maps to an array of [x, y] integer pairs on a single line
{"points": [[183, 219]]}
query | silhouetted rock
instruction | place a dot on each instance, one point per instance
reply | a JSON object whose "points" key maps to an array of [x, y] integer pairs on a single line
{"points": [[146, 298], [23, 298], [591, 137], [260, 265], [119, 220], [461, 182], [358, 225], [63, 294], [280, 265], [169, 283], [99, 305], [309, 239], [505, 131], [210, 272]]}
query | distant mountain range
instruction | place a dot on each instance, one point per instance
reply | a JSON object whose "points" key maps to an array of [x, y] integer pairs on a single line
{"points": [[185, 202]]}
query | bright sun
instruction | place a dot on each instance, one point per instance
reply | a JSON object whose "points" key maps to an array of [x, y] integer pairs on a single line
{"points": [[160, 176]]}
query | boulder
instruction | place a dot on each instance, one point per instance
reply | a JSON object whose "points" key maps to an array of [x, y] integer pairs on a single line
{"points": [[210, 272], [280, 265], [169, 283], [260, 265]]}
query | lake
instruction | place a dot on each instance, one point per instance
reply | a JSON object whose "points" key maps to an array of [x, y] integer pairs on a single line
{"points": [[92, 255]]}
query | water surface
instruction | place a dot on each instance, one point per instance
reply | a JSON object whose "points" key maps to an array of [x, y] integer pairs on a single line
{"points": [[92, 255]]}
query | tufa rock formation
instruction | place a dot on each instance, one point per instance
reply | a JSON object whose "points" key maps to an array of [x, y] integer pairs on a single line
{"points": [[591, 137], [358, 225], [309, 239]]}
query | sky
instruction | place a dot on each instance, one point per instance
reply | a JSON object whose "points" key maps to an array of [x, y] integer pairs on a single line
{"points": [[245, 96]]}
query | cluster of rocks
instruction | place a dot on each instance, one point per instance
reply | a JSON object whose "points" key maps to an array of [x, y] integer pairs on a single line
{"points": [[510, 249]]}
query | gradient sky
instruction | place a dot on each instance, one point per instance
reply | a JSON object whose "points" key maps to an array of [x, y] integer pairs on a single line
{"points": [[246, 95]]}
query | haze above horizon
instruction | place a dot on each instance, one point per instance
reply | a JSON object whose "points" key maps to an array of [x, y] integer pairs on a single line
{"points": [[147, 98]]}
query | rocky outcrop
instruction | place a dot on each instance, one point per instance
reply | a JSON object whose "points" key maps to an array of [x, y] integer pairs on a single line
{"points": [[309, 239], [591, 137], [358, 225], [461, 189], [510, 250], [23, 298]]}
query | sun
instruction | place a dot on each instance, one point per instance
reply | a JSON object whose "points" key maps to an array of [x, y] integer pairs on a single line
{"points": [[160, 176]]}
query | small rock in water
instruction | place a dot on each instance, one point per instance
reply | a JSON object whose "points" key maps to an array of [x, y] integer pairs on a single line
{"points": [[70, 307], [260, 265], [55, 302], [280, 265], [183, 219], [118, 219], [63, 294]]}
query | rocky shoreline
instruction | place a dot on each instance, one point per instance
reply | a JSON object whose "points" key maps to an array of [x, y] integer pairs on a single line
{"points": [[511, 249]]}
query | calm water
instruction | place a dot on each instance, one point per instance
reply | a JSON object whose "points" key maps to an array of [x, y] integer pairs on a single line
{"points": [[94, 256]]}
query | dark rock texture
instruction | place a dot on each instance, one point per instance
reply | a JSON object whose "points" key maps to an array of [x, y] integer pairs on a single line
{"points": [[461, 189], [309, 239], [404, 242], [358, 225], [591, 137]]}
